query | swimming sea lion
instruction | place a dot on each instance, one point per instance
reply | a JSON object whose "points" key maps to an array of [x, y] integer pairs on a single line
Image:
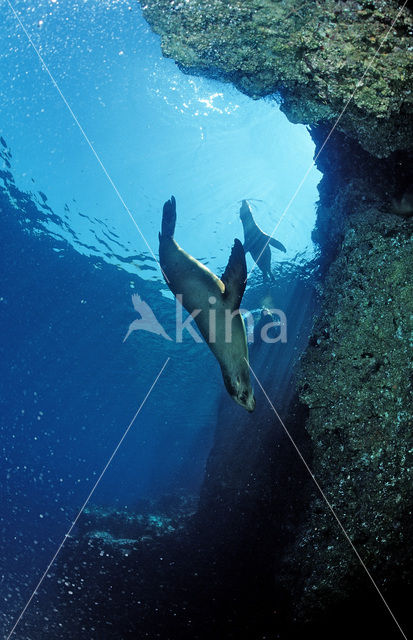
{"points": [[257, 242], [211, 301], [403, 206]]}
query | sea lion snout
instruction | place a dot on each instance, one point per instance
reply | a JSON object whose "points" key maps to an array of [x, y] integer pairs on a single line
{"points": [[246, 400], [240, 389], [250, 404]]}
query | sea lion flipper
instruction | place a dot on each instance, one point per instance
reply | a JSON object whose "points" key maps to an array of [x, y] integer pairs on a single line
{"points": [[235, 275], [169, 218], [277, 245]]}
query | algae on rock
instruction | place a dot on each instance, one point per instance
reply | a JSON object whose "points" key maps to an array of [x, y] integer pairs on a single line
{"points": [[314, 56]]}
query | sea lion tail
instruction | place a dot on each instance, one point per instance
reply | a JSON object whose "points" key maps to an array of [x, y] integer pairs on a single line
{"points": [[169, 218]]}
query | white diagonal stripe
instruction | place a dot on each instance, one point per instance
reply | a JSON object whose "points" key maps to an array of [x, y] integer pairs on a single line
{"points": [[326, 500], [313, 163], [82, 131], [86, 502]]}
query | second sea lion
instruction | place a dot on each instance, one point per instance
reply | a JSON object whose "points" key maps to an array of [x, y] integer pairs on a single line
{"points": [[257, 242]]}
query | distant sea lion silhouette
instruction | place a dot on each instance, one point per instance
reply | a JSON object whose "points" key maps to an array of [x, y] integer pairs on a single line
{"points": [[257, 242], [404, 206], [215, 299]]}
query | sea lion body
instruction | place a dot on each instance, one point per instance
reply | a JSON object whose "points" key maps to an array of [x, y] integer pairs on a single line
{"points": [[403, 206], [214, 300], [257, 242]]}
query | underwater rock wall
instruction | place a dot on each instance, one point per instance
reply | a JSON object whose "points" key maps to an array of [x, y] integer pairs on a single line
{"points": [[357, 383], [312, 55]]}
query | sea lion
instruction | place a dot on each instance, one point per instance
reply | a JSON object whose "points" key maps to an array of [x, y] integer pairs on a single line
{"points": [[211, 301], [403, 206], [257, 242]]}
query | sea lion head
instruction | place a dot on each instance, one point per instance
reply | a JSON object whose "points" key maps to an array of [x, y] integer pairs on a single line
{"points": [[245, 210], [239, 387]]}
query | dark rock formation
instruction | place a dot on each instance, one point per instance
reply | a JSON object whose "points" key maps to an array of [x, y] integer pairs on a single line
{"points": [[357, 383], [313, 55]]}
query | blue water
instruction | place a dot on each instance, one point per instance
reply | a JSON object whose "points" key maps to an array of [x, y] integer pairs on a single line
{"points": [[71, 258]]}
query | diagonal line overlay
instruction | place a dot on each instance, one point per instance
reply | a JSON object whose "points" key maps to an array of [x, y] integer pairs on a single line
{"points": [[326, 500], [313, 163], [67, 535]]}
